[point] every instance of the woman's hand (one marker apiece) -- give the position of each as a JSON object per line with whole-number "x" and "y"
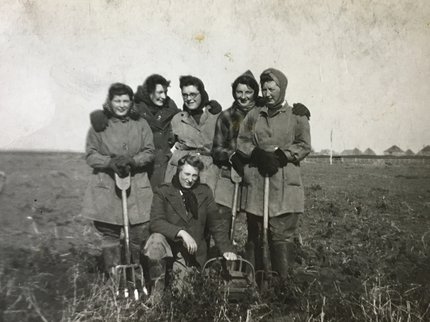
{"x": 188, "y": 241}
{"x": 230, "y": 256}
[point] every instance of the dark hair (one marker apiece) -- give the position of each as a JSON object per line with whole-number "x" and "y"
{"x": 248, "y": 81}
{"x": 118, "y": 89}
{"x": 155, "y": 79}
{"x": 191, "y": 159}
{"x": 265, "y": 78}
{"x": 189, "y": 80}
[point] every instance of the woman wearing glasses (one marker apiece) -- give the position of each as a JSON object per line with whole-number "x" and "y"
{"x": 194, "y": 129}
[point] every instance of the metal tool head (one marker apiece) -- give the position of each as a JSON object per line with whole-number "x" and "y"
{"x": 238, "y": 276}
{"x": 266, "y": 279}
{"x": 122, "y": 183}
{"x": 129, "y": 280}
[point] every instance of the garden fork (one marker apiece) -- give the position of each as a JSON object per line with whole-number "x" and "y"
{"x": 123, "y": 271}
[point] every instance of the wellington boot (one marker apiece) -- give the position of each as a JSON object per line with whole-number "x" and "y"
{"x": 282, "y": 257}
{"x": 111, "y": 257}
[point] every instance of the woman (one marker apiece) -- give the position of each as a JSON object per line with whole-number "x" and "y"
{"x": 157, "y": 109}
{"x": 124, "y": 147}
{"x": 180, "y": 212}
{"x": 275, "y": 140}
{"x": 194, "y": 129}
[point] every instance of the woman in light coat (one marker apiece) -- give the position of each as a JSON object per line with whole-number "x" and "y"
{"x": 124, "y": 147}
{"x": 275, "y": 140}
{"x": 194, "y": 129}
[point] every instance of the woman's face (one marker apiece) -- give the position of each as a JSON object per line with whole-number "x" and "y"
{"x": 271, "y": 92}
{"x": 244, "y": 95}
{"x": 121, "y": 104}
{"x": 192, "y": 97}
{"x": 158, "y": 96}
{"x": 188, "y": 176}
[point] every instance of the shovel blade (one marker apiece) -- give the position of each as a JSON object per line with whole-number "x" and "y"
{"x": 122, "y": 183}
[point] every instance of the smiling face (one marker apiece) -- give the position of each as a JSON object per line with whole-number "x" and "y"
{"x": 244, "y": 95}
{"x": 271, "y": 92}
{"x": 192, "y": 97}
{"x": 120, "y": 105}
{"x": 188, "y": 176}
{"x": 158, "y": 96}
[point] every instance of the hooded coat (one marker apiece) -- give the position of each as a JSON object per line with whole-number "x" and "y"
{"x": 159, "y": 119}
{"x": 283, "y": 130}
{"x": 102, "y": 200}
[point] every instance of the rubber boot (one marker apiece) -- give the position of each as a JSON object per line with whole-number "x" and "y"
{"x": 282, "y": 257}
{"x": 135, "y": 253}
{"x": 250, "y": 253}
{"x": 154, "y": 272}
{"x": 111, "y": 257}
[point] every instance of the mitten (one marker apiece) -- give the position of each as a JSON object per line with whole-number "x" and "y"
{"x": 282, "y": 158}
{"x": 124, "y": 161}
{"x": 237, "y": 163}
{"x": 99, "y": 120}
{"x": 113, "y": 164}
{"x": 214, "y": 107}
{"x": 119, "y": 165}
{"x": 301, "y": 110}
{"x": 266, "y": 162}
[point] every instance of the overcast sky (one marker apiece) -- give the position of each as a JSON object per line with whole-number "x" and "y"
{"x": 362, "y": 67}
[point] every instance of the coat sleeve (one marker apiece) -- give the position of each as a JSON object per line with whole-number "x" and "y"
{"x": 159, "y": 222}
{"x": 301, "y": 146}
{"x": 93, "y": 157}
{"x": 221, "y": 148}
{"x": 218, "y": 226}
{"x": 146, "y": 153}
{"x": 245, "y": 142}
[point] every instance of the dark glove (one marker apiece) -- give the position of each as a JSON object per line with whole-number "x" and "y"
{"x": 266, "y": 162}
{"x": 214, "y": 107}
{"x": 301, "y": 110}
{"x": 282, "y": 158}
{"x": 237, "y": 163}
{"x": 99, "y": 120}
{"x": 124, "y": 161}
{"x": 119, "y": 165}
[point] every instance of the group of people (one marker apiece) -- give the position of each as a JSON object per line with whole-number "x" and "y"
{"x": 181, "y": 164}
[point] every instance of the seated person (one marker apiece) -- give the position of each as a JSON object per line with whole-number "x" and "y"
{"x": 180, "y": 212}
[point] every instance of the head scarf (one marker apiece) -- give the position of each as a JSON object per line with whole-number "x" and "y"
{"x": 249, "y": 78}
{"x": 281, "y": 80}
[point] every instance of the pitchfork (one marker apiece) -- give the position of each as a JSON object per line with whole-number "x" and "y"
{"x": 121, "y": 272}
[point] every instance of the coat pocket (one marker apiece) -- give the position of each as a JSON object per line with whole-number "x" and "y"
{"x": 292, "y": 175}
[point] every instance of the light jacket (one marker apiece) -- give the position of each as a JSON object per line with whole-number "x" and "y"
{"x": 102, "y": 200}
{"x": 290, "y": 133}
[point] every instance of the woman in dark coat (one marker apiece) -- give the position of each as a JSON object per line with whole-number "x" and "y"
{"x": 157, "y": 109}
{"x": 180, "y": 212}
{"x": 124, "y": 147}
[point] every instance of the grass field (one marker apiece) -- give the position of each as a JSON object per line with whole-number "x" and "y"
{"x": 363, "y": 250}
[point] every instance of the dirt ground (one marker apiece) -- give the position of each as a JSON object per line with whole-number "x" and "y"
{"x": 363, "y": 225}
